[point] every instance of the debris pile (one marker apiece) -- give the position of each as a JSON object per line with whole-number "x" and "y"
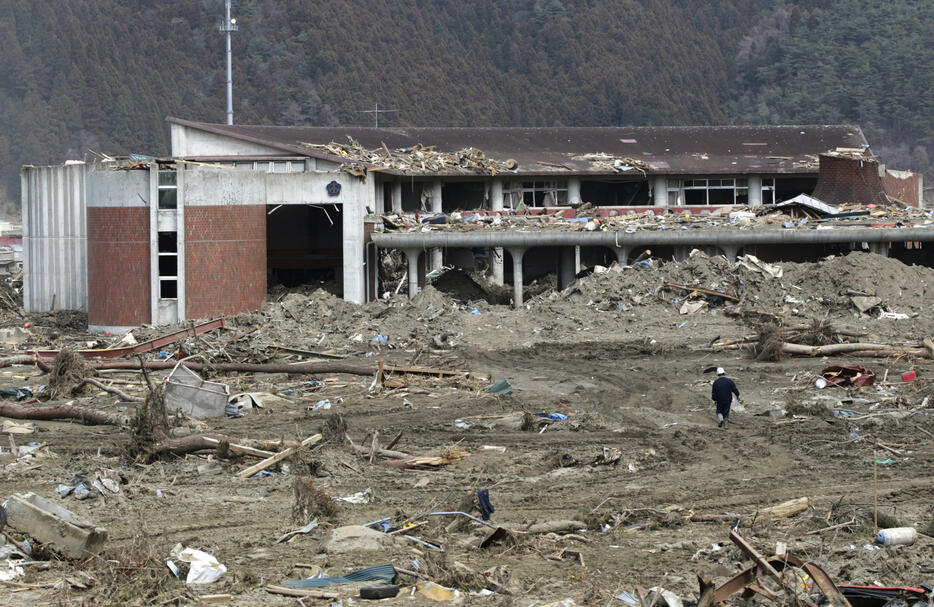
{"x": 415, "y": 160}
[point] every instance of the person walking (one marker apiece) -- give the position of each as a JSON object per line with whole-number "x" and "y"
{"x": 722, "y": 393}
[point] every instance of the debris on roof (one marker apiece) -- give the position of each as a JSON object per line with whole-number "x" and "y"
{"x": 415, "y": 160}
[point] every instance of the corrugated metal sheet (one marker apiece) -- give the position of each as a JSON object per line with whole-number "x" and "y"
{"x": 54, "y": 238}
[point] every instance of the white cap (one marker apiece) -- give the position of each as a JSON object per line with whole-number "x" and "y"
{"x": 720, "y": 371}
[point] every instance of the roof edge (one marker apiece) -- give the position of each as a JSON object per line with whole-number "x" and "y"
{"x": 218, "y": 129}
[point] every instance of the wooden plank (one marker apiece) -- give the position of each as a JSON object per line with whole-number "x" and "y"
{"x": 438, "y": 372}
{"x": 241, "y": 448}
{"x": 278, "y": 457}
{"x": 704, "y": 291}
{"x": 318, "y": 594}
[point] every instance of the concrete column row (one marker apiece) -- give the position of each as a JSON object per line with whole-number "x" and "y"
{"x": 659, "y": 193}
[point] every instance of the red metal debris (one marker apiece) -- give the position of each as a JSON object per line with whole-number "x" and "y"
{"x": 146, "y": 346}
{"x": 849, "y": 376}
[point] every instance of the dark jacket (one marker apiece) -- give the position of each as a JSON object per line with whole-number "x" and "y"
{"x": 723, "y": 390}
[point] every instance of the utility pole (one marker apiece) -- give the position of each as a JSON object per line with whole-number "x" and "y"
{"x": 229, "y": 25}
{"x": 376, "y": 112}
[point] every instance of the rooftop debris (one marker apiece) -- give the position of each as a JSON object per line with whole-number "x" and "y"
{"x": 416, "y": 160}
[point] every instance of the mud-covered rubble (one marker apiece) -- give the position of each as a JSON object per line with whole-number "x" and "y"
{"x": 602, "y": 472}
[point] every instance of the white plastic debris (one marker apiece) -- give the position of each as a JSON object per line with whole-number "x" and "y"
{"x": 203, "y": 567}
{"x": 360, "y": 497}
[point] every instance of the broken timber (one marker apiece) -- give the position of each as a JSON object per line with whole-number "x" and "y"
{"x": 278, "y": 457}
{"x": 438, "y": 372}
{"x": 709, "y": 292}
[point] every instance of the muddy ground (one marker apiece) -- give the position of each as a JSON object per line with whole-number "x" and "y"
{"x": 614, "y": 355}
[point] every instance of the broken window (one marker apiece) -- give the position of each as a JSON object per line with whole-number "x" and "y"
{"x": 272, "y": 166}
{"x": 768, "y": 190}
{"x": 168, "y": 265}
{"x": 536, "y": 194}
{"x": 716, "y": 192}
{"x": 168, "y": 189}
{"x": 674, "y": 192}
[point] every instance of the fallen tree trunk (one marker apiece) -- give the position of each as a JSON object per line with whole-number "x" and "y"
{"x": 786, "y": 509}
{"x": 242, "y": 367}
{"x": 830, "y": 348}
{"x": 365, "y": 451}
{"x": 210, "y": 442}
{"x": 22, "y": 359}
{"x": 893, "y": 352}
{"x": 713, "y": 518}
{"x": 90, "y": 417}
{"x": 111, "y": 389}
{"x": 849, "y": 349}
{"x": 556, "y": 527}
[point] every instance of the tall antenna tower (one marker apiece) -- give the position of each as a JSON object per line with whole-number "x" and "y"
{"x": 229, "y": 25}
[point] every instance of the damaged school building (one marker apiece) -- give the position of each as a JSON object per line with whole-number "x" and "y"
{"x": 236, "y": 209}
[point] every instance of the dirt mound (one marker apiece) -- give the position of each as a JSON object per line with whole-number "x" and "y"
{"x": 461, "y": 287}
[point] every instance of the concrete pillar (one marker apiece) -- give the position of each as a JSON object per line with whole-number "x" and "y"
{"x": 879, "y": 248}
{"x": 577, "y": 259}
{"x": 436, "y": 197}
{"x": 411, "y": 256}
{"x": 681, "y": 252}
{"x": 352, "y": 224}
{"x": 496, "y": 195}
{"x": 496, "y": 263}
{"x": 574, "y": 190}
{"x": 397, "y": 196}
{"x": 565, "y": 267}
{"x": 496, "y": 254}
{"x": 660, "y": 191}
{"x": 755, "y": 190}
{"x": 622, "y": 255}
{"x": 729, "y": 251}
{"x": 436, "y": 209}
{"x": 516, "y": 276}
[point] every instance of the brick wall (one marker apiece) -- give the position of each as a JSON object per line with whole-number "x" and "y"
{"x": 903, "y": 186}
{"x": 225, "y": 259}
{"x": 118, "y": 266}
{"x": 841, "y": 180}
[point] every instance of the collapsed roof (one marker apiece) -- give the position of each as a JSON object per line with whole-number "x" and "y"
{"x": 564, "y": 150}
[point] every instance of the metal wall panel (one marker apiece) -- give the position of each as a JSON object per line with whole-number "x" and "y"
{"x": 54, "y": 238}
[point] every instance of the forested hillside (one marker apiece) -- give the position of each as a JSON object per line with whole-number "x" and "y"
{"x": 103, "y": 74}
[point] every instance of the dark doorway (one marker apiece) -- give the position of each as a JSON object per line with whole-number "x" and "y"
{"x": 304, "y": 245}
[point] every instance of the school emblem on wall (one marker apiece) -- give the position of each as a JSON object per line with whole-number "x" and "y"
{"x": 334, "y": 188}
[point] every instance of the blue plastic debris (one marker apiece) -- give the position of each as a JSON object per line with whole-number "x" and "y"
{"x": 558, "y": 417}
{"x": 321, "y": 404}
{"x": 501, "y": 387}
{"x": 370, "y": 574}
{"x": 382, "y": 340}
{"x": 475, "y": 312}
